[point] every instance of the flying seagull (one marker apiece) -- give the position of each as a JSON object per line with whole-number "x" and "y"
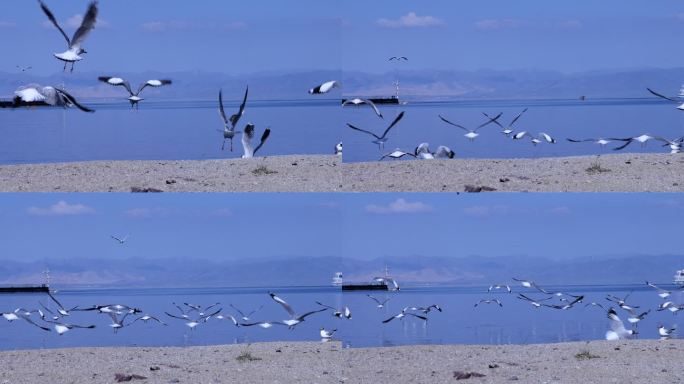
{"x": 380, "y": 140}
{"x": 146, "y": 318}
{"x": 680, "y": 107}
{"x": 403, "y": 314}
{"x": 19, "y": 314}
{"x": 121, "y": 240}
{"x": 535, "y": 302}
{"x": 661, "y": 292}
{"x": 600, "y": 141}
{"x": 398, "y": 58}
{"x": 397, "y": 154}
{"x": 247, "y": 136}
{"x": 34, "y": 93}
{"x": 230, "y": 123}
{"x": 23, "y": 69}
{"x": 489, "y": 301}
{"x": 471, "y": 134}
{"x": 641, "y": 139}
{"x": 294, "y": 317}
{"x": 194, "y": 322}
{"x": 358, "y": 102}
{"x": 324, "y": 88}
{"x": 344, "y": 312}
{"x": 509, "y": 129}
{"x": 60, "y": 308}
{"x": 74, "y": 51}
{"x": 62, "y": 328}
{"x": 134, "y": 97}
{"x": 499, "y": 286}
{"x": 245, "y": 317}
{"x": 424, "y": 310}
{"x": 617, "y": 328}
{"x": 535, "y": 139}
{"x": 381, "y": 304}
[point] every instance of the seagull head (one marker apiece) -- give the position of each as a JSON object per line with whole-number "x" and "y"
{"x": 82, "y": 51}
{"x": 311, "y": 91}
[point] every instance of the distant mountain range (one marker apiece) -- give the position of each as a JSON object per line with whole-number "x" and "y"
{"x": 423, "y": 84}
{"x": 416, "y": 270}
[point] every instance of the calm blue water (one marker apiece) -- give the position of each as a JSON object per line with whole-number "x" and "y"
{"x": 171, "y": 130}
{"x": 517, "y": 322}
{"x": 561, "y": 119}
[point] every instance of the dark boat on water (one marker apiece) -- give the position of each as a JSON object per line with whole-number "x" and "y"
{"x": 25, "y": 289}
{"x": 365, "y": 287}
{"x": 392, "y": 100}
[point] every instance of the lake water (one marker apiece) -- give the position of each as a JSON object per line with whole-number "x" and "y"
{"x": 621, "y": 118}
{"x": 460, "y": 322}
{"x": 171, "y": 130}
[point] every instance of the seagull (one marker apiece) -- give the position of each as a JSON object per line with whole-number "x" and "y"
{"x": 229, "y": 131}
{"x": 338, "y": 149}
{"x": 345, "y": 312}
{"x": 617, "y": 331}
{"x": 62, "y": 328}
{"x": 18, "y": 314}
{"x": 471, "y": 133}
{"x": 398, "y": 58}
{"x": 134, "y": 97}
{"x": 489, "y": 301}
{"x": 118, "y": 309}
{"x": 263, "y": 324}
{"x": 397, "y": 154}
{"x": 60, "y": 308}
{"x": 600, "y": 141}
{"x": 527, "y": 283}
{"x": 120, "y": 240}
{"x": 242, "y": 314}
{"x": 535, "y": 303}
{"x": 247, "y": 136}
{"x": 665, "y": 305}
{"x": 424, "y": 310}
{"x": 116, "y": 322}
{"x": 198, "y": 308}
{"x": 621, "y": 302}
{"x": 73, "y": 54}
{"x": 23, "y": 69}
{"x": 506, "y": 130}
{"x": 535, "y": 139}
{"x": 380, "y": 140}
{"x": 641, "y": 139}
{"x": 146, "y": 318}
{"x": 665, "y": 332}
{"x": 358, "y": 102}
{"x": 595, "y": 304}
{"x": 324, "y": 88}
{"x": 381, "y": 304}
{"x": 499, "y": 286}
{"x": 34, "y": 93}
{"x": 633, "y": 318}
{"x": 661, "y": 292}
{"x": 422, "y": 151}
{"x": 327, "y": 334}
{"x": 294, "y": 318}
{"x": 192, "y": 323}
{"x": 680, "y": 107}
{"x": 221, "y": 317}
{"x": 401, "y": 315}
{"x": 675, "y": 145}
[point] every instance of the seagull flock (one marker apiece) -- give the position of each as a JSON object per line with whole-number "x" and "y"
{"x": 121, "y": 316}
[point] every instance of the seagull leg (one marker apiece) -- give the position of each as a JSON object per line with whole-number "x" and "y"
{"x": 223, "y": 145}
{"x": 72, "y": 67}
{"x": 231, "y": 144}
{"x": 64, "y": 69}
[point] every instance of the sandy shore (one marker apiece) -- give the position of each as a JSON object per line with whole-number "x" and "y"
{"x": 325, "y": 173}
{"x": 271, "y": 174}
{"x": 645, "y": 361}
{"x": 617, "y": 173}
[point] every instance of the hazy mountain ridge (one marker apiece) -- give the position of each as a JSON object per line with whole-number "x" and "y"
{"x": 469, "y": 270}
{"x": 432, "y": 84}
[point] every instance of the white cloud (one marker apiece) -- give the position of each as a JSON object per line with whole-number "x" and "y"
{"x": 173, "y": 25}
{"x": 399, "y": 206}
{"x": 61, "y": 208}
{"x": 410, "y": 20}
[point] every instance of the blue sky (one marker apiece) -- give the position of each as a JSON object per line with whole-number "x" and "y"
{"x": 252, "y": 225}
{"x": 267, "y": 35}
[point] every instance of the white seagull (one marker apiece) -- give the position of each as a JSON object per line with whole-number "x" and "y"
{"x": 35, "y": 93}
{"x": 380, "y": 140}
{"x": 344, "y": 312}
{"x": 229, "y": 124}
{"x": 535, "y": 139}
{"x": 327, "y": 334}
{"x": 146, "y": 318}
{"x": 641, "y": 139}
{"x": 74, "y": 51}
{"x": 680, "y": 107}
{"x": 600, "y": 141}
{"x": 121, "y": 240}
{"x": 338, "y": 149}
{"x": 245, "y": 317}
{"x": 324, "y": 88}
{"x": 381, "y": 304}
{"x": 617, "y": 328}
{"x": 294, "y": 318}
{"x": 397, "y": 154}
{"x": 60, "y": 308}
{"x": 499, "y": 286}
{"x": 422, "y": 151}
{"x": 194, "y": 322}
{"x": 509, "y": 129}
{"x": 402, "y": 314}
{"x": 633, "y": 318}
{"x": 471, "y": 133}
{"x": 247, "y": 135}
{"x": 661, "y": 292}
{"x": 20, "y": 314}
{"x": 666, "y": 333}
{"x": 134, "y": 97}
{"x": 535, "y": 302}
{"x": 358, "y": 102}
{"x": 489, "y": 301}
